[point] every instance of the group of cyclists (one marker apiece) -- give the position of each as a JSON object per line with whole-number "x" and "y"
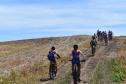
{"x": 104, "y": 36}
{"x": 76, "y": 53}
{"x": 74, "y": 57}
{"x": 101, "y": 36}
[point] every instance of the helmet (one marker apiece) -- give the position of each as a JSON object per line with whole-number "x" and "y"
{"x": 75, "y": 47}
{"x": 93, "y": 37}
{"x": 53, "y": 48}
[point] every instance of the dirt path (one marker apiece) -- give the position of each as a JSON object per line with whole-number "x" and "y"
{"x": 64, "y": 69}
{"x": 89, "y": 66}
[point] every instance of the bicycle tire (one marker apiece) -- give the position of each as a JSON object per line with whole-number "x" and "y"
{"x": 75, "y": 74}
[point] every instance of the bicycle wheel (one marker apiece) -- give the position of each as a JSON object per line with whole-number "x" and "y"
{"x": 50, "y": 71}
{"x": 75, "y": 74}
{"x": 54, "y": 70}
{"x": 93, "y": 51}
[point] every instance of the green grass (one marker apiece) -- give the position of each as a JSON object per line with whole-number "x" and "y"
{"x": 101, "y": 74}
{"x": 64, "y": 80}
{"x": 118, "y": 70}
{"x": 109, "y": 71}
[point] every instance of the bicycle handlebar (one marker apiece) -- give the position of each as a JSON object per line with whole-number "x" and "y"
{"x": 80, "y": 60}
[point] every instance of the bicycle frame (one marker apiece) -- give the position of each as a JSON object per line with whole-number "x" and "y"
{"x": 75, "y": 73}
{"x": 52, "y": 70}
{"x": 93, "y": 50}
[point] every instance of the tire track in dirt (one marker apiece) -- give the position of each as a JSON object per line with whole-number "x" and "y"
{"x": 90, "y": 65}
{"x": 64, "y": 69}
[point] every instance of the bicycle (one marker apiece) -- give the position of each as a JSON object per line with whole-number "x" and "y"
{"x": 106, "y": 41}
{"x": 76, "y": 72}
{"x": 52, "y": 70}
{"x": 93, "y": 50}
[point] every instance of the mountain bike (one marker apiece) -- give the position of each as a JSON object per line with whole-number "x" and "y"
{"x": 76, "y": 72}
{"x": 93, "y": 50}
{"x": 53, "y": 70}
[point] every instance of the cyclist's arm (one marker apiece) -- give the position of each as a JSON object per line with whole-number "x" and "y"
{"x": 83, "y": 59}
{"x": 81, "y": 53}
{"x": 58, "y": 55}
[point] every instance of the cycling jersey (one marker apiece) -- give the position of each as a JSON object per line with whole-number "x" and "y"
{"x": 76, "y": 56}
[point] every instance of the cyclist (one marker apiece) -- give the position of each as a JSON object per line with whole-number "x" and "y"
{"x": 106, "y": 38}
{"x": 98, "y": 34}
{"x": 110, "y": 35}
{"x": 95, "y": 36}
{"x": 75, "y": 56}
{"x": 52, "y": 55}
{"x": 93, "y": 44}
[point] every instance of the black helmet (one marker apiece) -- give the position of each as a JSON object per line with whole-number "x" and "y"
{"x": 93, "y": 37}
{"x": 75, "y": 47}
{"x": 53, "y": 48}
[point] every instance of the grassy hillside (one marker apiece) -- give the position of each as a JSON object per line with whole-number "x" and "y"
{"x": 25, "y": 61}
{"x": 111, "y": 69}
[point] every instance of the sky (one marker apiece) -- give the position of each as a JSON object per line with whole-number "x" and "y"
{"x": 26, "y": 19}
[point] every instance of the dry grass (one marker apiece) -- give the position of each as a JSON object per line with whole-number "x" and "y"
{"x": 26, "y": 60}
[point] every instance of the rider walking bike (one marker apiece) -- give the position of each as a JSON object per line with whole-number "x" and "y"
{"x": 52, "y": 55}
{"x": 75, "y": 56}
{"x": 93, "y": 44}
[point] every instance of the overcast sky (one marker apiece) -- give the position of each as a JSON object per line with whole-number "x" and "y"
{"x": 25, "y": 19}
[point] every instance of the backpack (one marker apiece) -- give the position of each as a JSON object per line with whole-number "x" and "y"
{"x": 51, "y": 55}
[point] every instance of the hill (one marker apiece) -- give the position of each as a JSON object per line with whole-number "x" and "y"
{"x": 25, "y": 61}
{"x": 26, "y": 58}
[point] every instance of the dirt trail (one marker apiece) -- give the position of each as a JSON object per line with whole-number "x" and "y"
{"x": 64, "y": 69}
{"x": 89, "y": 66}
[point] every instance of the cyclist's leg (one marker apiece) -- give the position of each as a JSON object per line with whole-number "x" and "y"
{"x": 50, "y": 66}
{"x": 50, "y": 69}
{"x": 75, "y": 73}
{"x": 72, "y": 68}
{"x": 92, "y": 50}
{"x": 54, "y": 67}
{"x": 79, "y": 71}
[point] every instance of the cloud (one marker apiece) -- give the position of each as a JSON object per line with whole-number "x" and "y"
{"x": 74, "y": 17}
